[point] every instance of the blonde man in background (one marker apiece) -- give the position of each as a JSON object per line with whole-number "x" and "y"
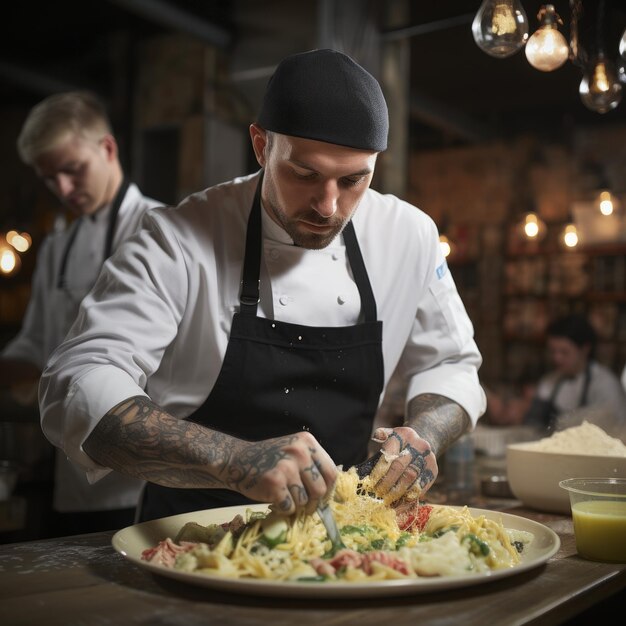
{"x": 68, "y": 140}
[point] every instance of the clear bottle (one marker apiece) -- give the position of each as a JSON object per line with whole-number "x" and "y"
{"x": 459, "y": 466}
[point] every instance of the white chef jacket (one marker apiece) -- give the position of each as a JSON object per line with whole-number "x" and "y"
{"x": 157, "y": 322}
{"x": 48, "y": 317}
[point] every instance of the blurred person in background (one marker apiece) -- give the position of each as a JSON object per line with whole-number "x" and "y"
{"x": 578, "y": 387}
{"x": 67, "y": 139}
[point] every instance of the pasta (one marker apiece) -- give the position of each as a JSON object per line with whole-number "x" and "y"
{"x": 381, "y": 543}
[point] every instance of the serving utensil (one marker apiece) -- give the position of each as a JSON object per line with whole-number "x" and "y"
{"x": 328, "y": 519}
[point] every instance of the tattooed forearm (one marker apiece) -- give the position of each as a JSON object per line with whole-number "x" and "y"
{"x": 438, "y": 420}
{"x": 139, "y": 438}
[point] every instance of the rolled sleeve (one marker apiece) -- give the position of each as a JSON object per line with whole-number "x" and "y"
{"x": 443, "y": 355}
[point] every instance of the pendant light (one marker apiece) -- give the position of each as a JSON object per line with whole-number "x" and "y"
{"x": 607, "y": 203}
{"x": 600, "y": 89}
{"x": 446, "y": 245}
{"x": 547, "y": 48}
{"x": 621, "y": 69}
{"x": 569, "y": 237}
{"x": 500, "y": 27}
{"x": 533, "y": 227}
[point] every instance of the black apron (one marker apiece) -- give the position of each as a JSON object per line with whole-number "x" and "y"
{"x": 544, "y": 413}
{"x": 278, "y": 378}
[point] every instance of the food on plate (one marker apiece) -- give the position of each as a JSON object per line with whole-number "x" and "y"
{"x": 584, "y": 439}
{"x": 411, "y": 540}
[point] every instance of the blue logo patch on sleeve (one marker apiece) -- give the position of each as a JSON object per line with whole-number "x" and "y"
{"x": 441, "y": 270}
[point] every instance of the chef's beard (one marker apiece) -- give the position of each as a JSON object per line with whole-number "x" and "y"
{"x": 297, "y": 231}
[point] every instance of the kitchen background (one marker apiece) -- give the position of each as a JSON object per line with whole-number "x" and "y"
{"x": 477, "y": 141}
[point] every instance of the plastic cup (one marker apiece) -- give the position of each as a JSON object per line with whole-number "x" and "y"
{"x": 599, "y": 514}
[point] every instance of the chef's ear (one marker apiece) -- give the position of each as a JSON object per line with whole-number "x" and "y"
{"x": 109, "y": 145}
{"x": 259, "y": 142}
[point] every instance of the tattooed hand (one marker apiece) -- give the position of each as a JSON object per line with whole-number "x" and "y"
{"x": 292, "y": 472}
{"x": 407, "y": 464}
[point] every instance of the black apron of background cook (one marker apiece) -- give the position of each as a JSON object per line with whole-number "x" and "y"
{"x": 279, "y": 378}
{"x": 544, "y": 413}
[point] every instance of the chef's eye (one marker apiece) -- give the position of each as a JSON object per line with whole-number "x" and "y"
{"x": 353, "y": 181}
{"x": 305, "y": 175}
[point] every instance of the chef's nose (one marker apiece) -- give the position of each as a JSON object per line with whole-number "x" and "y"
{"x": 325, "y": 202}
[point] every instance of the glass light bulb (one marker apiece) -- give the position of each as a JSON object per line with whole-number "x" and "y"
{"x": 531, "y": 229}
{"x": 446, "y": 246}
{"x": 600, "y": 89}
{"x": 607, "y": 203}
{"x": 547, "y": 48}
{"x": 8, "y": 261}
{"x": 570, "y": 236}
{"x": 621, "y": 71}
{"x": 500, "y": 27}
{"x": 621, "y": 66}
{"x": 533, "y": 226}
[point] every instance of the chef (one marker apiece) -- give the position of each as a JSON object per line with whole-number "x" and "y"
{"x": 68, "y": 140}
{"x": 236, "y": 349}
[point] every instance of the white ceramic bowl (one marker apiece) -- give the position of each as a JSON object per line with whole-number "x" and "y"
{"x": 534, "y": 475}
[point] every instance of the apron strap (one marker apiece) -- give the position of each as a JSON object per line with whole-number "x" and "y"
{"x": 115, "y": 209}
{"x": 249, "y": 296}
{"x": 583, "y": 397}
{"x": 368, "y": 302}
{"x": 108, "y": 242}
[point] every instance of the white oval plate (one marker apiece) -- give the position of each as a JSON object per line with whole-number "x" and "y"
{"x": 130, "y": 542}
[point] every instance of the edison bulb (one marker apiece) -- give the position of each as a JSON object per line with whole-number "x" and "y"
{"x": 570, "y": 236}
{"x": 500, "y": 27}
{"x": 9, "y": 261}
{"x": 607, "y": 203}
{"x": 547, "y": 48}
{"x": 621, "y": 69}
{"x": 446, "y": 245}
{"x": 533, "y": 227}
{"x": 600, "y": 89}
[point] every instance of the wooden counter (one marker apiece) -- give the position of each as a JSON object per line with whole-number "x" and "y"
{"x": 81, "y": 580}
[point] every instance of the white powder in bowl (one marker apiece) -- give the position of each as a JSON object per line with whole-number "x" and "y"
{"x": 584, "y": 439}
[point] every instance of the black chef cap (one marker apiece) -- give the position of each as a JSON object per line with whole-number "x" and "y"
{"x": 325, "y": 95}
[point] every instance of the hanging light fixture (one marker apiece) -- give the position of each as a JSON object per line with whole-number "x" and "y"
{"x": 533, "y": 227}
{"x": 607, "y": 203}
{"x": 500, "y": 27}
{"x": 547, "y": 48}
{"x": 446, "y": 245}
{"x": 621, "y": 66}
{"x": 10, "y": 261}
{"x": 600, "y": 89}
{"x": 604, "y": 200}
{"x": 569, "y": 238}
{"x": 20, "y": 241}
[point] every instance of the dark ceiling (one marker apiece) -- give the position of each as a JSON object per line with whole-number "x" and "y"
{"x": 459, "y": 93}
